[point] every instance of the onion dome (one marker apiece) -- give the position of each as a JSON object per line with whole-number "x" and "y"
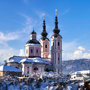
{"x": 33, "y": 32}
{"x": 56, "y": 30}
{"x": 44, "y": 33}
{"x": 33, "y": 38}
{"x": 33, "y": 42}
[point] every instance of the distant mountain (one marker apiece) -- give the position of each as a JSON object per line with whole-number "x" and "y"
{"x": 71, "y": 66}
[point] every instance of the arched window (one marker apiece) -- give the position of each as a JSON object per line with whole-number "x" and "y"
{"x": 27, "y": 72}
{"x": 45, "y": 46}
{"x": 37, "y": 51}
{"x": 35, "y": 68}
{"x": 31, "y": 51}
{"x": 58, "y": 44}
{"x": 58, "y": 58}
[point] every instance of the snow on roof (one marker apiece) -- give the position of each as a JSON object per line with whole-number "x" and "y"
{"x": 32, "y": 44}
{"x": 16, "y": 59}
{"x": 82, "y": 72}
{"x": 35, "y": 60}
{"x": 78, "y": 72}
{"x": 9, "y": 68}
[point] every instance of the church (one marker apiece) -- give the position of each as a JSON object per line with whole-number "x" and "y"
{"x": 36, "y": 59}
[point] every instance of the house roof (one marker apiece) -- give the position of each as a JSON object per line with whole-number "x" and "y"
{"x": 9, "y": 68}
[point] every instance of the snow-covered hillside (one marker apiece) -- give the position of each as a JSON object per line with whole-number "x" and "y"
{"x": 72, "y": 66}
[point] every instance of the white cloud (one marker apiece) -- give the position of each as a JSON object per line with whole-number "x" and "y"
{"x": 22, "y": 52}
{"x": 6, "y": 52}
{"x": 29, "y": 24}
{"x": 81, "y": 48}
{"x": 40, "y": 14}
{"x": 86, "y": 55}
{"x": 8, "y": 36}
{"x": 66, "y": 11}
{"x": 74, "y": 52}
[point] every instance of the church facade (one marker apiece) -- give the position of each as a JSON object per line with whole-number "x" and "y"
{"x": 36, "y": 59}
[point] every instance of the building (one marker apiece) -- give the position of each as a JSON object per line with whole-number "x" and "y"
{"x": 37, "y": 53}
{"x": 80, "y": 75}
{"x": 9, "y": 70}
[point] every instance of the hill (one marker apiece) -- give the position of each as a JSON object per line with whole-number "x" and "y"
{"x": 71, "y": 66}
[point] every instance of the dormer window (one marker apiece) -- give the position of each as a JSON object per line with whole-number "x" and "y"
{"x": 37, "y": 51}
{"x": 31, "y": 50}
{"x": 45, "y": 46}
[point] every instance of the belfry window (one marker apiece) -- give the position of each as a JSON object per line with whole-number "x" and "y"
{"x": 45, "y": 46}
{"x": 58, "y": 44}
{"x": 58, "y": 58}
{"x": 31, "y": 51}
{"x": 37, "y": 51}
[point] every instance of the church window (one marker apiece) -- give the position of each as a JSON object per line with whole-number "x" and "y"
{"x": 31, "y": 51}
{"x": 58, "y": 58}
{"x": 45, "y": 46}
{"x": 37, "y": 51}
{"x": 33, "y": 37}
{"x": 58, "y": 44}
{"x": 27, "y": 72}
{"x": 35, "y": 68}
{"x": 16, "y": 67}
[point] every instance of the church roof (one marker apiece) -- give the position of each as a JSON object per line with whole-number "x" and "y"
{"x": 43, "y": 38}
{"x": 56, "y": 30}
{"x": 34, "y": 60}
{"x": 33, "y": 32}
{"x": 33, "y": 41}
{"x": 9, "y": 68}
{"x": 44, "y": 33}
{"x": 56, "y": 35}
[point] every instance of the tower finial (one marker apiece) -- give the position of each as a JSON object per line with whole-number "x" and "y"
{"x": 43, "y": 16}
{"x": 56, "y": 12}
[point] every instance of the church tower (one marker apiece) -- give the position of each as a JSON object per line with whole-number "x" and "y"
{"x": 33, "y": 47}
{"x": 44, "y": 42}
{"x": 56, "y": 48}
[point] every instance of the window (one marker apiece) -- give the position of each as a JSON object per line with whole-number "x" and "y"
{"x": 27, "y": 72}
{"x": 45, "y": 46}
{"x": 35, "y": 68}
{"x": 31, "y": 51}
{"x": 58, "y": 44}
{"x": 37, "y": 51}
{"x": 33, "y": 37}
{"x": 16, "y": 67}
{"x": 58, "y": 58}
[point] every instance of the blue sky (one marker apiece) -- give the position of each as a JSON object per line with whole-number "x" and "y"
{"x": 17, "y": 18}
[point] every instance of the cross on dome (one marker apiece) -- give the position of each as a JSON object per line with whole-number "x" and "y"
{"x": 43, "y": 16}
{"x": 56, "y": 12}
